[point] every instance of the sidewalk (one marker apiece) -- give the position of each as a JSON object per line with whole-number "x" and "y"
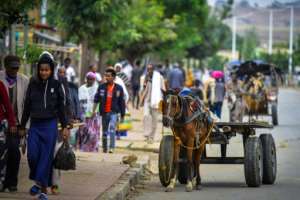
{"x": 135, "y": 139}
{"x": 95, "y": 174}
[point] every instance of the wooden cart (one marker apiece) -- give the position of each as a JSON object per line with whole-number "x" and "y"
{"x": 260, "y": 164}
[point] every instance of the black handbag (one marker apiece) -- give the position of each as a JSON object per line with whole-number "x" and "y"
{"x": 65, "y": 158}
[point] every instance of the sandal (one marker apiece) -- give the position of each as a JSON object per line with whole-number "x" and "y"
{"x": 34, "y": 190}
{"x": 55, "y": 189}
{"x": 43, "y": 196}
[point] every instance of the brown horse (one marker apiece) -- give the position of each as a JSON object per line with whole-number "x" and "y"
{"x": 191, "y": 125}
{"x": 255, "y": 96}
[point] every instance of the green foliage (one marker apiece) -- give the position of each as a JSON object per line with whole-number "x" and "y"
{"x": 143, "y": 27}
{"x": 32, "y": 54}
{"x": 250, "y": 42}
{"x": 216, "y": 62}
{"x": 190, "y": 17}
{"x": 296, "y": 54}
{"x": 14, "y": 11}
{"x": 169, "y": 28}
{"x": 214, "y": 35}
{"x": 279, "y": 58}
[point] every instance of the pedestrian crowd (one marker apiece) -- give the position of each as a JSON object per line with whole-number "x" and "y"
{"x": 49, "y": 109}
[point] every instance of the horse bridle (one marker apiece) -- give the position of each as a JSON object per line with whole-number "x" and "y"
{"x": 176, "y": 115}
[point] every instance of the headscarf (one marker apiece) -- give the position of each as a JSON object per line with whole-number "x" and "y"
{"x": 46, "y": 58}
{"x": 91, "y": 75}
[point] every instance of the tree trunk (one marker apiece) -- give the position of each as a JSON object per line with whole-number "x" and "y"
{"x": 102, "y": 61}
{"x": 87, "y": 56}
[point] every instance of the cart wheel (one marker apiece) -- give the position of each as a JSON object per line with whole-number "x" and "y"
{"x": 269, "y": 159}
{"x": 182, "y": 166}
{"x": 165, "y": 159}
{"x": 274, "y": 114}
{"x": 253, "y": 164}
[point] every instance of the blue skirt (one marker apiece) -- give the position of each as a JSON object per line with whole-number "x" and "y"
{"x": 41, "y": 142}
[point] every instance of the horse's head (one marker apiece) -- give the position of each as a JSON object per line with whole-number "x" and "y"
{"x": 171, "y": 108}
{"x": 257, "y": 85}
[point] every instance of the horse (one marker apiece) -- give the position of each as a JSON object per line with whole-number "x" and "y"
{"x": 191, "y": 126}
{"x": 255, "y": 96}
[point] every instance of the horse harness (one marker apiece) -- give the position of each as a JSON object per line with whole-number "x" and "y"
{"x": 198, "y": 113}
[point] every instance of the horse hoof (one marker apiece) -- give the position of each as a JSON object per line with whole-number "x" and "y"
{"x": 198, "y": 187}
{"x": 169, "y": 189}
{"x": 189, "y": 187}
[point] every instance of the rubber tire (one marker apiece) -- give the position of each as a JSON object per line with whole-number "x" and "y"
{"x": 274, "y": 114}
{"x": 182, "y": 166}
{"x": 165, "y": 159}
{"x": 253, "y": 162}
{"x": 269, "y": 159}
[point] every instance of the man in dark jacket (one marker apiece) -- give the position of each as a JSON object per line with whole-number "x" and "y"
{"x": 135, "y": 84}
{"x": 112, "y": 102}
{"x": 16, "y": 86}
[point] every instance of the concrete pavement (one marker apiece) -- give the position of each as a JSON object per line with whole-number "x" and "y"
{"x": 96, "y": 174}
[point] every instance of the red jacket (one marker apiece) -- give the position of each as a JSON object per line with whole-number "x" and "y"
{"x": 6, "y": 110}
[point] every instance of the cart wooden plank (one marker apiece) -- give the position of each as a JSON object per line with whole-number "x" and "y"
{"x": 244, "y": 124}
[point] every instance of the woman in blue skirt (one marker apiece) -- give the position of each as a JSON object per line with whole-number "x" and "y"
{"x": 44, "y": 105}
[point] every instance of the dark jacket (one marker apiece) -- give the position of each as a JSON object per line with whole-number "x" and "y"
{"x": 72, "y": 103}
{"x": 45, "y": 100}
{"x": 74, "y": 100}
{"x": 118, "y": 101}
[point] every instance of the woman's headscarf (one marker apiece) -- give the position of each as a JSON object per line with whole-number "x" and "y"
{"x": 46, "y": 58}
{"x": 91, "y": 75}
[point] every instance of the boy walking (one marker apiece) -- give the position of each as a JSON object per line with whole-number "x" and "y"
{"x": 110, "y": 95}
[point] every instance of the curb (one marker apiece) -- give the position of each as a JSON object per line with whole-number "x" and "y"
{"x": 125, "y": 183}
{"x": 145, "y": 149}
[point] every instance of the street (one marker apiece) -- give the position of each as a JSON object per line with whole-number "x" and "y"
{"x": 227, "y": 181}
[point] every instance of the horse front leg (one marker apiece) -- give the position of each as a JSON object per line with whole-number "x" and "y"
{"x": 174, "y": 172}
{"x": 197, "y": 176}
{"x": 189, "y": 185}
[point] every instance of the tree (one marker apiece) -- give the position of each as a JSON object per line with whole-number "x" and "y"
{"x": 250, "y": 42}
{"x": 14, "y": 12}
{"x": 216, "y": 62}
{"x": 296, "y": 54}
{"x": 143, "y": 26}
{"x": 132, "y": 26}
{"x": 89, "y": 22}
{"x": 190, "y": 17}
{"x": 215, "y": 35}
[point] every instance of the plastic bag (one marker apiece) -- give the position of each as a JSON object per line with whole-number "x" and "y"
{"x": 126, "y": 125}
{"x": 65, "y": 158}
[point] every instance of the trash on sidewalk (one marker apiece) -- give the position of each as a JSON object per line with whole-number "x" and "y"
{"x": 129, "y": 160}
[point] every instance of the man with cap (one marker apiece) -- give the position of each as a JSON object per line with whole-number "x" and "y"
{"x": 16, "y": 85}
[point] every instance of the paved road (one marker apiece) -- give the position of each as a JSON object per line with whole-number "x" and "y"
{"x": 227, "y": 181}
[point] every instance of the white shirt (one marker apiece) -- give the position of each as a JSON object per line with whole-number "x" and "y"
{"x": 119, "y": 81}
{"x": 127, "y": 70}
{"x": 70, "y": 72}
{"x": 98, "y": 77}
{"x": 87, "y": 94}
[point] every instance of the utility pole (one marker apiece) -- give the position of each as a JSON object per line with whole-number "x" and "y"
{"x": 12, "y": 39}
{"x": 26, "y": 70}
{"x": 291, "y": 42}
{"x": 233, "y": 38}
{"x": 43, "y": 12}
{"x": 270, "y": 33}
